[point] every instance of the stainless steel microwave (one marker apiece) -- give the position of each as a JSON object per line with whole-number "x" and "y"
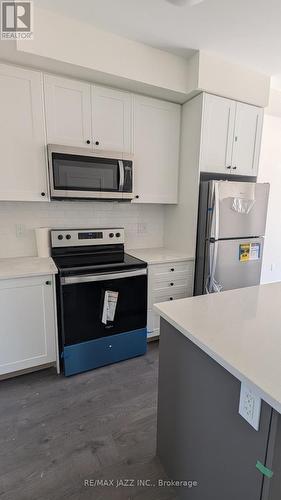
{"x": 78, "y": 173}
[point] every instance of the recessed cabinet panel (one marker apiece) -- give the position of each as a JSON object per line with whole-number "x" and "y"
{"x": 111, "y": 119}
{"x": 156, "y": 150}
{"x": 247, "y": 139}
{"x": 217, "y": 134}
{"x": 27, "y": 335}
{"x": 68, "y": 111}
{"x": 23, "y": 169}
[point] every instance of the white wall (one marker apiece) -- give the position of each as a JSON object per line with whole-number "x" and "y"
{"x": 270, "y": 171}
{"x": 143, "y": 223}
{"x": 224, "y": 78}
{"x": 70, "y": 41}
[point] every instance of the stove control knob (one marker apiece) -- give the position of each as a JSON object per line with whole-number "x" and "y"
{"x": 68, "y": 236}
{"x": 60, "y": 237}
{"x": 117, "y": 235}
{"x": 111, "y": 235}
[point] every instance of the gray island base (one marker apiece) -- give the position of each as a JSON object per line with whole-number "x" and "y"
{"x": 201, "y": 437}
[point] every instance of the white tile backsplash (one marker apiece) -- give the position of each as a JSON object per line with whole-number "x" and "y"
{"x": 144, "y": 224}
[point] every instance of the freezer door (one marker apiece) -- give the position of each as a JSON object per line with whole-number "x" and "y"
{"x": 235, "y": 263}
{"x": 239, "y": 209}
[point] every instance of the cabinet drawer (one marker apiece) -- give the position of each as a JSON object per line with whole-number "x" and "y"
{"x": 164, "y": 294}
{"x": 169, "y": 280}
{"x": 170, "y": 268}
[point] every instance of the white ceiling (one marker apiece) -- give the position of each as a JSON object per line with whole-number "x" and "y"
{"x": 243, "y": 31}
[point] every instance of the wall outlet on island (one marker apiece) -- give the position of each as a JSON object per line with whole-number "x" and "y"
{"x": 250, "y": 406}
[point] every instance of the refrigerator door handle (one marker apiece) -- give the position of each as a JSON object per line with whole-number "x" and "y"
{"x": 214, "y": 223}
{"x": 212, "y": 285}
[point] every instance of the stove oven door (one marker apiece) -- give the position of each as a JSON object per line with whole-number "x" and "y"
{"x": 92, "y": 316}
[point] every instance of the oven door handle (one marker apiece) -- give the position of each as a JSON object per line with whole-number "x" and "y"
{"x": 121, "y": 175}
{"x": 86, "y": 278}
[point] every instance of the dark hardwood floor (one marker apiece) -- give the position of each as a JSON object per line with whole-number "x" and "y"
{"x": 57, "y": 432}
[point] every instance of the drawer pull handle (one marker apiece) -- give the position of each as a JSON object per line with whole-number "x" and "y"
{"x": 110, "y": 346}
{"x": 172, "y": 284}
{"x": 172, "y": 269}
{"x": 171, "y": 298}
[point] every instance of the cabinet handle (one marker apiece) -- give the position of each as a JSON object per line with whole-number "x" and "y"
{"x": 137, "y": 196}
{"x": 43, "y": 194}
{"x": 234, "y": 168}
{"x": 171, "y": 298}
{"x": 97, "y": 143}
{"x": 172, "y": 284}
{"x": 88, "y": 142}
{"x": 172, "y": 269}
{"x": 48, "y": 282}
{"x": 229, "y": 167}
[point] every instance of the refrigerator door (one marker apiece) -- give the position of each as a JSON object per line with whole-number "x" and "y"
{"x": 239, "y": 209}
{"x": 235, "y": 264}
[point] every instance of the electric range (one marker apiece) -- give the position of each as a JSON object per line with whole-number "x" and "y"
{"x": 101, "y": 297}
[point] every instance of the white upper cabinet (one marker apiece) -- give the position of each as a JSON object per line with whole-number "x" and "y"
{"x": 217, "y": 134}
{"x": 23, "y": 170}
{"x": 231, "y": 136}
{"x": 68, "y": 111}
{"x": 84, "y": 115}
{"x": 111, "y": 119}
{"x": 156, "y": 150}
{"x": 247, "y": 139}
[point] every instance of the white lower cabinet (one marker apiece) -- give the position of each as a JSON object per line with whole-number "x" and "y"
{"x": 169, "y": 281}
{"x": 28, "y": 323}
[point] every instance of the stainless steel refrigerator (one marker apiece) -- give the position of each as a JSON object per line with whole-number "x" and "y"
{"x": 230, "y": 235}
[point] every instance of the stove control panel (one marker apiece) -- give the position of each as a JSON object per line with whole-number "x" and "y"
{"x": 83, "y": 237}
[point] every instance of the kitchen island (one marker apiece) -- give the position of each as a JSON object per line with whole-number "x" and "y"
{"x": 209, "y": 346}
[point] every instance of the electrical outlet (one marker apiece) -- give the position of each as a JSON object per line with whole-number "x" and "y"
{"x": 142, "y": 229}
{"x": 250, "y": 406}
{"x": 20, "y": 230}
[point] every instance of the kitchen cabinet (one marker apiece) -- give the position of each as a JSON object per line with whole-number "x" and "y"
{"x": 231, "y": 136}
{"x": 217, "y": 134}
{"x": 23, "y": 168}
{"x": 111, "y": 119}
{"x": 168, "y": 281}
{"x": 156, "y": 150}
{"x": 68, "y": 112}
{"x": 90, "y": 116}
{"x": 28, "y": 332}
{"x": 247, "y": 139}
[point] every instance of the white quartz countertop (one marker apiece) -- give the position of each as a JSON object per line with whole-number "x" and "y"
{"x": 23, "y": 267}
{"x": 158, "y": 255}
{"x": 240, "y": 329}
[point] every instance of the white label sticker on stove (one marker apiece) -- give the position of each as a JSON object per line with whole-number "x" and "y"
{"x": 109, "y": 306}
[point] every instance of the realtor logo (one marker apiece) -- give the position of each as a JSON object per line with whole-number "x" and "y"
{"x": 16, "y": 20}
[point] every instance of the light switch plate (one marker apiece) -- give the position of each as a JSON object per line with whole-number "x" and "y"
{"x": 250, "y": 406}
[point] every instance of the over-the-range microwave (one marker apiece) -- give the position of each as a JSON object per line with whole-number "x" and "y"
{"x": 78, "y": 173}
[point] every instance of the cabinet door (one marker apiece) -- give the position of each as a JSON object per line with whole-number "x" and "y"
{"x": 23, "y": 167}
{"x": 217, "y": 134}
{"x": 68, "y": 111}
{"x": 111, "y": 119}
{"x": 27, "y": 334}
{"x": 156, "y": 150}
{"x": 247, "y": 139}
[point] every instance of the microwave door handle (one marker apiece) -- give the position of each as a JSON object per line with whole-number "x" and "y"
{"x": 121, "y": 175}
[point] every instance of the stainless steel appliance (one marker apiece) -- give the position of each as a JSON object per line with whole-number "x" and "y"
{"x": 230, "y": 235}
{"x": 101, "y": 296}
{"x": 79, "y": 173}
